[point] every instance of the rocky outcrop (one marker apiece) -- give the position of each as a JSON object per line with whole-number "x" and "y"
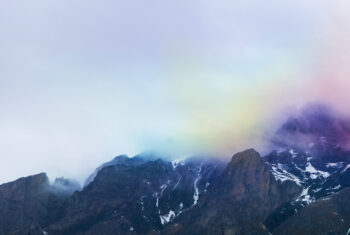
{"x": 328, "y": 216}
{"x": 238, "y": 201}
{"x": 135, "y": 198}
{"x": 32, "y": 229}
{"x": 28, "y": 204}
{"x": 22, "y": 202}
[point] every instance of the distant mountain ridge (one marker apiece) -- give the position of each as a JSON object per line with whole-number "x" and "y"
{"x": 301, "y": 187}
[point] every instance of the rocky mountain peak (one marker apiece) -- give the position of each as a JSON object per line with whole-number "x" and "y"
{"x": 24, "y": 186}
{"x": 246, "y": 173}
{"x": 247, "y": 158}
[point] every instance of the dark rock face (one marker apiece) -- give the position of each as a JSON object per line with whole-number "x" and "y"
{"x": 330, "y": 216}
{"x": 119, "y": 160}
{"x": 196, "y": 195}
{"x": 314, "y": 153}
{"x": 239, "y": 200}
{"x": 136, "y": 198}
{"x": 32, "y": 229}
{"x": 19, "y": 199}
{"x": 26, "y": 201}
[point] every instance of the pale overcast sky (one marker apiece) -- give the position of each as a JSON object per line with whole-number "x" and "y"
{"x": 83, "y": 81}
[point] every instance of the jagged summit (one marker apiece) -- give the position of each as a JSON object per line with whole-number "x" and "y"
{"x": 312, "y": 151}
{"x": 118, "y": 160}
{"x": 27, "y": 201}
{"x": 153, "y": 195}
{"x": 247, "y": 157}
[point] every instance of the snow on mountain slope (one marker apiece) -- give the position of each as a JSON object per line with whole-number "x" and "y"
{"x": 318, "y": 178}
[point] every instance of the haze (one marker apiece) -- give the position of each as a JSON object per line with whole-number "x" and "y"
{"x": 84, "y": 81}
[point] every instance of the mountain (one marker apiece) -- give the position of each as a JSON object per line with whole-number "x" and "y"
{"x": 312, "y": 152}
{"x": 239, "y": 199}
{"x": 153, "y": 196}
{"x": 247, "y": 195}
{"x": 328, "y": 216}
{"x": 119, "y": 160}
{"x": 318, "y": 130}
{"x": 301, "y": 187}
{"x": 319, "y": 179}
{"x": 30, "y": 200}
{"x": 137, "y": 197}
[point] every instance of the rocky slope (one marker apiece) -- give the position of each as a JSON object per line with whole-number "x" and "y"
{"x": 156, "y": 196}
{"x": 30, "y": 200}
{"x": 312, "y": 152}
{"x": 328, "y": 216}
{"x": 137, "y": 198}
{"x": 238, "y": 201}
{"x": 247, "y": 195}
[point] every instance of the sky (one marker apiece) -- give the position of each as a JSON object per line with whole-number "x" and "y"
{"x": 84, "y": 81}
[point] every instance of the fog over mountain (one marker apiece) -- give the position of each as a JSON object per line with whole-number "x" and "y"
{"x": 300, "y": 187}
{"x": 83, "y": 81}
{"x": 174, "y": 117}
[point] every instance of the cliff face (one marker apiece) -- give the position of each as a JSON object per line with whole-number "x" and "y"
{"x": 28, "y": 202}
{"x": 136, "y": 198}
{"x": 23, "y": 202}
{"x": 329, "y": 216}
{"x": 238, "y": 201}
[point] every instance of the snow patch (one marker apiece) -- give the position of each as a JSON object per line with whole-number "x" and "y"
{"x": 195, "y": 185}
{"x": 164, "y": 219}
{"x": 141, "y": 202}
{"x": 181, "y": 206}
{"x": 314, "y": 174}
{"x": 206, "y": 186}
{"x": 159, "y": 195}
{"x": 334, "y": 165}
{"x": 162, "y": 188}
{"x": 281, "y": 174}
{"x": 177, "y": 183}
{"x": 196, "y": 192}
{"x": 178, "y": 162}
{"x": 157, "y": 200}
{"x": 304, "y": 196}
{"x": 317, "y": 190}
{"x": 294, "y": 154}
{"x": 346, "y": 168}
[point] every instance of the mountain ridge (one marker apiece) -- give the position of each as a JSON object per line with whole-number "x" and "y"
{"x": 161, "y": 197}
{"x": 300, "y": 187}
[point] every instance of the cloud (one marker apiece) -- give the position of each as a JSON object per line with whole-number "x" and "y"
{"x": 83, "y": 81}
